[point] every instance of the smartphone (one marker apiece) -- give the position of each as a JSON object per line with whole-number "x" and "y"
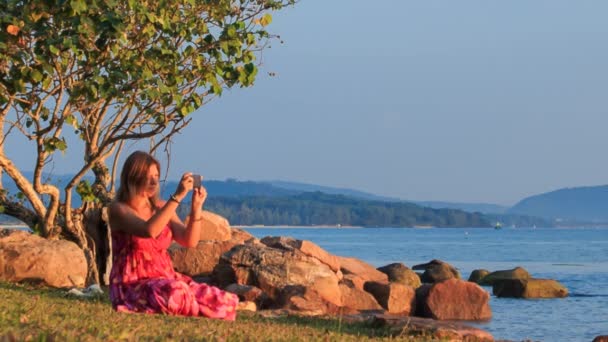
{"x": 197, "y": 181}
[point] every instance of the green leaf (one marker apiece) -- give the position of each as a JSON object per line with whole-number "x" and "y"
{"x": 54, "y": 50}
{"x": 266, "y": 19}
{"x": 36, "y": 76}
{"x": 78, "y": 6}
{"x": 85, "y": 191}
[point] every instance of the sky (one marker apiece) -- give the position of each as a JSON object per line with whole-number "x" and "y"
{"x": 465, "y": 101}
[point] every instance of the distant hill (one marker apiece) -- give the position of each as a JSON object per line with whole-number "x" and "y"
{"x": 485, "y": 208}
{"x": 303, "y": 187}
{"x": 317, "y": 208}
{"x": 588, "y": 204}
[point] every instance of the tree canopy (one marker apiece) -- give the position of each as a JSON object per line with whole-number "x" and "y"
{"x": 107, "y": 72}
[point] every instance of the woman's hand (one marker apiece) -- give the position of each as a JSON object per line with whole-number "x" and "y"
{"x": 199, "y": 195}
{"x": 184, "y": 186}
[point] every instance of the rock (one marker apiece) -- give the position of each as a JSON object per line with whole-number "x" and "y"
{"x": 529, "y": 288}
{"x": 399, "y": 273}
{"x": 240, "y": 236}
{"x": 438, "y": 330}
{"x": 199, "y": 260}
{"x": 28, "y": 257}
{"x": 248, "y": 293}
{"x": 362, "y": 269}
{"x": 305, "y": 247}
{"x": 395, "y": 298}
{"x": 247, "y": 306}
{"x": 437, "y": 271}
{"x": 516, "y": 273}
{"x": 306, "y": 301}
{"x": 354, "y": 281}
{"x": 215, "y": 227}
{"x": 601, "y": 338}
{"x": 273, "y": 269}
{"x": 357, "y": 299}
{"x": 477, "y": 275}
{"x": 453, "y": 299}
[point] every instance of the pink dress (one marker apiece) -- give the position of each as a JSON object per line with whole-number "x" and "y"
{"x": 143, "y": 280}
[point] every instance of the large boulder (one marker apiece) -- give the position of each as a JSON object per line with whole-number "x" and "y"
{"x": 437, "y": 271}
{"x": 529, "y": 288}
{"x": 305, "y": 247}
{"x": 516, "y": 273}
{"x": 199, "y": 260}
{"x": 401, "y": 274}
{"x": 453, "y": 299}
{"x": 279, "y": 273}
{"x": 395, "y": 298}
{"x": 477, "y": 275}
{"x": 214, "y": 227}
{"x": 28, "y": 257}
{"x": 361, "y": 269}
{"x": 357, "y": 299}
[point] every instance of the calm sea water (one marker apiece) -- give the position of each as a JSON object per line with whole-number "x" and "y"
{"x": 578, "y": 258}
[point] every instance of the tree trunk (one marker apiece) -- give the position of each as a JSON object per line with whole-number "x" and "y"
{"x": 97, "y": 249}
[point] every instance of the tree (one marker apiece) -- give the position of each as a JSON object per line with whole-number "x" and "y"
{"x": 111, "y": 71}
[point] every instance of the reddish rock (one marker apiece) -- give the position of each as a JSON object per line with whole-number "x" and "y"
{"x": 240, "y": 236}
{"x": 362, "y": 269}
{"x": 601, "y": 338}
{"x": 306, "y": 301}
{"x": 443, "y": 331}
{"x": 214, "y": 227}
{"x": 395, "y": 298}
{"x": 353, "y": 280}
{"x": 199, "y": 260}
{"x": 454, "y": 299}
{"x": 357, "y": 299}
{"x": 28, "y": 257}
{"x": 529, "y": 288}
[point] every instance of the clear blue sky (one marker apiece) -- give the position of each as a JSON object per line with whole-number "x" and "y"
{"x": 485, "y": 101}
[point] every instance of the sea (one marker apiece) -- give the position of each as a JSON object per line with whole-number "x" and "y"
{"x": 577, "y": 258}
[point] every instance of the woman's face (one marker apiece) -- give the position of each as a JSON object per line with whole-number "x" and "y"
{"x": 152, "y": 180}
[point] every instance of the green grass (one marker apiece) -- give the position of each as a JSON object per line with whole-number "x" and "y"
{"x": 29, "y": 312}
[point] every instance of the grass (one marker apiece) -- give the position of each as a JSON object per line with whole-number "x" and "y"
{"x": 34, "y": 313}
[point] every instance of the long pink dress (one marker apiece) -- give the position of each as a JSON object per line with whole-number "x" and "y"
{"x": 143, "y": 280}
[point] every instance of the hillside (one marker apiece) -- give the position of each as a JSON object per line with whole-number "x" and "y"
{"x": 581, "y": 203}
{"x": 316, "y": 208}
{"x": 485, "y": 208}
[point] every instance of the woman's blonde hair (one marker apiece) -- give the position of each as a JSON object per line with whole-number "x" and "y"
{"x": 134, "y": 176}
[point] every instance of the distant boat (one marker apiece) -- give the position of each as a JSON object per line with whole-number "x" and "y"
{"x": 498, "y": 225}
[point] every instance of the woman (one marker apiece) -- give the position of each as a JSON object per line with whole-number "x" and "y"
{"x": 142, "y": 277}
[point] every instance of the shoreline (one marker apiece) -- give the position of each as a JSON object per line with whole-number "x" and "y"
{"x": 297, "y": 227}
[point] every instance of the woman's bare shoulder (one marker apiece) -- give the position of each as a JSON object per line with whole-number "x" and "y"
{"x": 118, "y": 209}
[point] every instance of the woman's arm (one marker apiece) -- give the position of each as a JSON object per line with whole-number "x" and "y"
{"x": 188, "y": 235}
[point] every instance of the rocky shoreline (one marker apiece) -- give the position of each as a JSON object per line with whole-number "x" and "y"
{"x": 280, "y": 275}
